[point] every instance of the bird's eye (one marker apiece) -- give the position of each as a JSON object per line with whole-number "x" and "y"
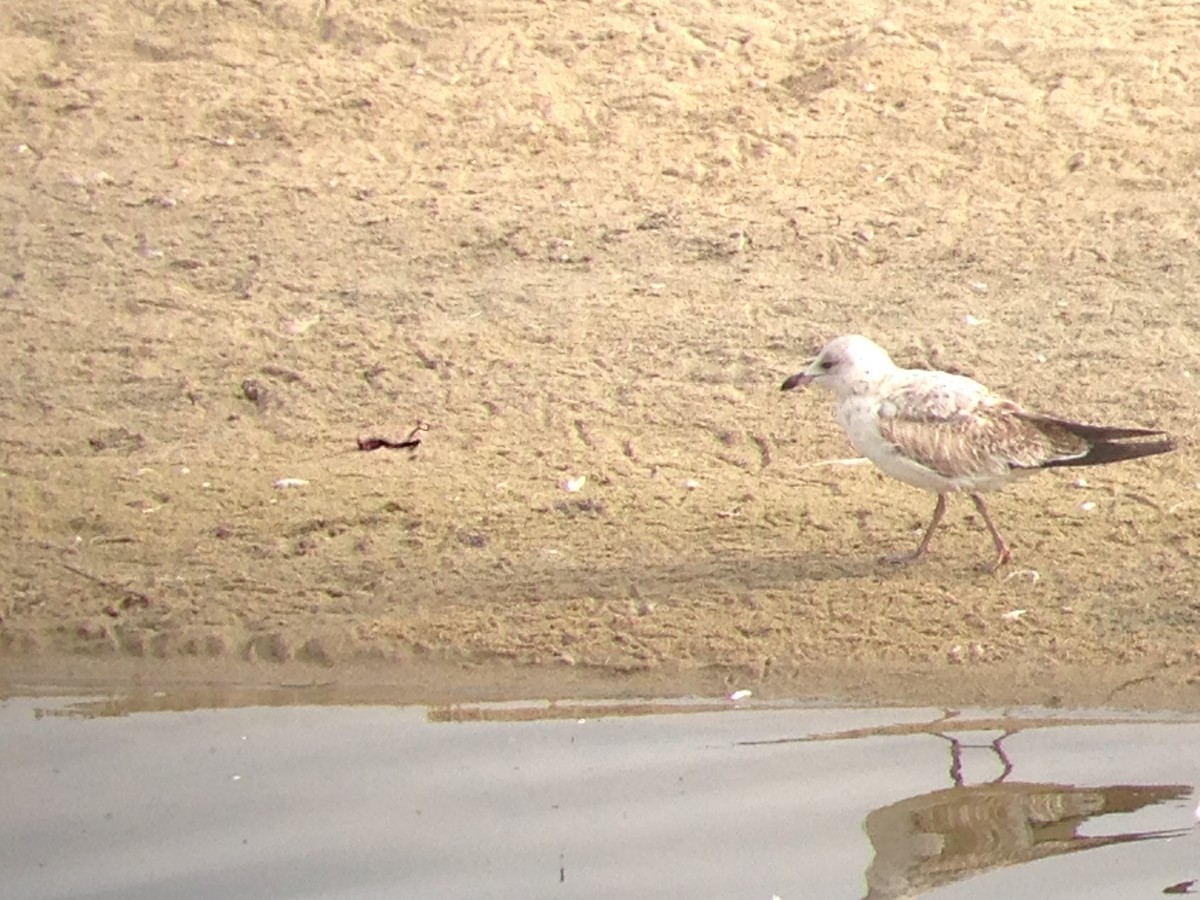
{"x": 825, "y": 365}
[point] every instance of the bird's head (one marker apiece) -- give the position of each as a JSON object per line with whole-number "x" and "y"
{"x": 847, "y": 365}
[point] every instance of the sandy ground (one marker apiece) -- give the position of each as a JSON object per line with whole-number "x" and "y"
{"x": 587, "y": 240}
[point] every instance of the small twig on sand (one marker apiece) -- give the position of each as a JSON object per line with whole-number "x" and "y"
{"x": 132, "y": 597}
{"x": 411, "y": 442}
{"x": 853, "y": 461}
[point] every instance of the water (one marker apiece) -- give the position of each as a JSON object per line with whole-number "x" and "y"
{"x": 592, "y": 801}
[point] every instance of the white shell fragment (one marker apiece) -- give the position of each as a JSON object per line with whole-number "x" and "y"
{"x": 290, "y": 483}
{"x": 1030, "y": 575}
{"x": 573, "y": 485}
{"x": 300, "y": 326}
{"x": 740, "y": 695}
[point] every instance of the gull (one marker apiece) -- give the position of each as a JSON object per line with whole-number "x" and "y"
{"x": 949, "y": 434}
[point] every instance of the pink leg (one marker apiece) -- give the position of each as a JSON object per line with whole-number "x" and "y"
{"x": 923, "y": 547}
{"x": 1003, "y": 553}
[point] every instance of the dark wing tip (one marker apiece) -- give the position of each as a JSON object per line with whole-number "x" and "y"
{"x": 1112, "y": 451}
{"x": 1087, "y": 431}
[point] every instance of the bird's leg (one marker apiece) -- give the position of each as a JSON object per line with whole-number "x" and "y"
{"x": 1003, "y": 553}
{"x": 923, "y": 547}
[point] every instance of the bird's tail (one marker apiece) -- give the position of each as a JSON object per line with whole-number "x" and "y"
{"x": 1106, "y": 443}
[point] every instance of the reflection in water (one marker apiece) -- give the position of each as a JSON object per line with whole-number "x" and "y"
{"x": 554, "y": 709}
{"x": 580, "y": 790}
{"x": 331, "y": 695}
{"x": 947, "y": 836}
{"x": 950, "y": 835}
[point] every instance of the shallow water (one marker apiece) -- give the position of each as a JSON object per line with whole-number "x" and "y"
{"x": 596, "y": 801}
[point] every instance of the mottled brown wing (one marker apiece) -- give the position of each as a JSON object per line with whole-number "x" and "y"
{"x": 956, "y": 428}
